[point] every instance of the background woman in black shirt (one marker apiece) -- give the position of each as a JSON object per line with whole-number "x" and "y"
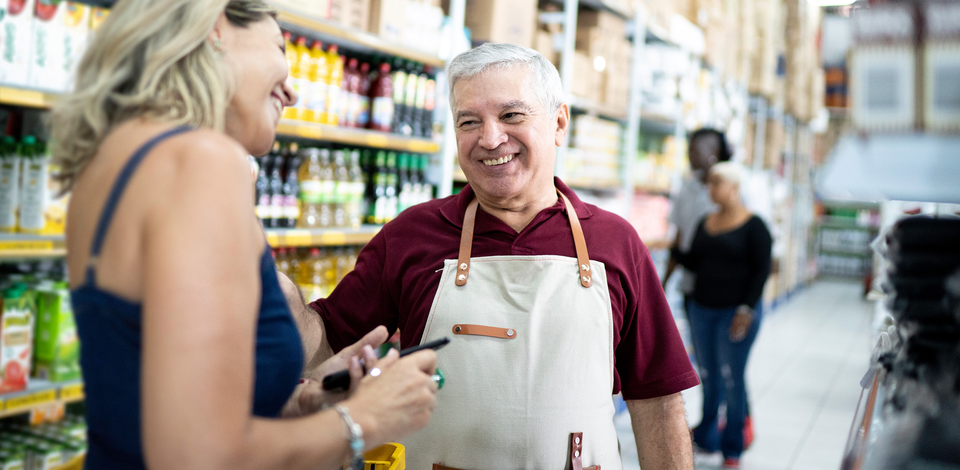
{"x": 730, "y": 256}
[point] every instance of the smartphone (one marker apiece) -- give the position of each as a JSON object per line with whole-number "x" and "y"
{"x": 340, "y": 381}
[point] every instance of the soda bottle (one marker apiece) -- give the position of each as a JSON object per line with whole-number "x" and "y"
{"x": 378, "y": 202}
{"x": 334, "y": 77}
{"x": 311, "y": 188}
{"x": 291, "y": 206}
{"x": 399, "y": 95}
{"x": 392, "y": 197}
{"x": 9, "y": 184}
{"x": 363, "y": 96}
{"x": 342, "y": 189}
{"x": 429, "y": 105}
{"x": 410, "y": 99}
{"x": 33, "y": 190}
{"x": 355, "y": 211}
{"x": 351, "y": 80}
{"x": 417, "y": 118}
{"x": 328, "y": 186}
{"x": 382, "y": 109}
{"x": 276, "y": 191}
{"x": 318, "y": 84}
{"x": 262, "y": 186}
{"x": 313, "y": 279}
{"x": 293, "y": 59}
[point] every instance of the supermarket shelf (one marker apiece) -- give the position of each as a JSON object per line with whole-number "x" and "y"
{"x": 321, "y": 237}
{"x": 598, "y": 109}
{"x": 904, "y": 167}
{"x": 26, "y": 97}
{"x": 359, "y": 40}
{"x": 354, "y": 136}
{"x": 657, "y": 122}
{"x": 40, "y": 393}
{"x": 843, "y": 223}
{"x": 20, "y": 246}
{"x": 849, "y": 254}
{"x": 620, "y": 8}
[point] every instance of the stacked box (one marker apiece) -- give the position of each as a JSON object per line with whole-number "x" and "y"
{"x": 763, "y": 67}
{"x": 506, "y": 21}
{"x": 388, "y": 19}
{"x": 351, "y": 13}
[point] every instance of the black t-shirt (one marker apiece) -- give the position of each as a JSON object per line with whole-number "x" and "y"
{"x": 731, "y": 267}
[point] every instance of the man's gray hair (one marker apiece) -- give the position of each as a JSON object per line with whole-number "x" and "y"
{"x": 546, "y": 80}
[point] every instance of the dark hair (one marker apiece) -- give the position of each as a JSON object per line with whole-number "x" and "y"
{"x": 723, "y": 153}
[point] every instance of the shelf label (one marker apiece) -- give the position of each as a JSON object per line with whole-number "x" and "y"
{"x": 309, "y": 132}
{"x": 334, "y": 238}
{"x": 273, "y": 239}
{"x": 378, "y": 141}
{"x": 72, "y": 392}
{"x": 29, "y": 401}
{"x": 423, "y": 147}
{"x": 297, "y": 238}
{"x": 23, "y": 97}
{"x": 26, "y": 245}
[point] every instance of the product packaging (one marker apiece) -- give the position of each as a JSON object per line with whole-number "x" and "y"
{"x": 16, "y": 337}
{"x": 57, "y": 347}
{"x": 16, "y": 24}
{"x": 47, "y": 64}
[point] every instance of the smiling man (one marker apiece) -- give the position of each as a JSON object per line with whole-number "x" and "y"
{"x": 552, "y": 305}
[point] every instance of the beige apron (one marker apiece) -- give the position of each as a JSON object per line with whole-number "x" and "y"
{"x": 530, "y": 363}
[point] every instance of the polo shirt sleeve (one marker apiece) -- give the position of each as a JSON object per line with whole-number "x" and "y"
{"x": 651, "y": 358}
{"x": 361, "y": 301}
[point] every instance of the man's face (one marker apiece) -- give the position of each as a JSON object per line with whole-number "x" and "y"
{"x": 703, "y": 155}
{"x": 506, "y": 140}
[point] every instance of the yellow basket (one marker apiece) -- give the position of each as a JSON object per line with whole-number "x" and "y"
{"x": 386, "y": 457}
{"x": 75, "y": 464}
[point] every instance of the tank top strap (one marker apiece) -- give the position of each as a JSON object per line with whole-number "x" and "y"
{"x": 114, "y": 198}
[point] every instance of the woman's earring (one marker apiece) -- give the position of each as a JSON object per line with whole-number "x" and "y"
{"x": 217, "y": 47}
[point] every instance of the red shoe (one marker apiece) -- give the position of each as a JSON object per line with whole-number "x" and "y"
{"x": 747, "y": 432}
{"x": 731, "y": 462}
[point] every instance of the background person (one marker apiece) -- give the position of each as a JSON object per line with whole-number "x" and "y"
{"x": 730, "y": 257}
{"x": 189, "y": 351}
{"x": 552, "y": 304}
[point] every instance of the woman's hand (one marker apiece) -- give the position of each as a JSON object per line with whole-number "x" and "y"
{"x": 740, "y": 324}
{"x": 399, "y": 400}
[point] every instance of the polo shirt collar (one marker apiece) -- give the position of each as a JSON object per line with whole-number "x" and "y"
{"x": 454, "y": 208}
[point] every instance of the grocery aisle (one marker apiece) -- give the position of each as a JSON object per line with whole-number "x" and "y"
{"x": 803, "y": 377}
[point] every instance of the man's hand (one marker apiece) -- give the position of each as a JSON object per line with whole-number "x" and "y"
{"x": 660, "y": 427}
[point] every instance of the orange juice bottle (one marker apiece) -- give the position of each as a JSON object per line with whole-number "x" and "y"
{"x": 293, "y": 59}
{"x": 318, "y": 77}
{"x": 302, "y": 80}
{"x": 334, "y": 77}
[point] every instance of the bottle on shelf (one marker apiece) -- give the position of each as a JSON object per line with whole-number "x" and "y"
{"x": 293, "y": 58}
{"x": 399, "y": 94}
{"x": 291, "y": 187}
{"x": 416, "y": 181}
{"x": 342, "y": 264}
{"x": 282, "y": 259}
{"x": 313, "y": 276}
{"x": 417, "y": 117}
{"x": 334, "y": 77}
{"x": 391, "y": 183}
{"x": 363, "y": 97}
{"x": 9, "y": 184}
{"x": 410, "y": 99}
{"x": 275, "y": 186}
{"x": 355, "y": 211}
{"x": 262, "y": 186}
{"x": 378, "y": 203}
{"x": 311, "y": 188}
{"x": 301, "y": 79}
{"x": 328, "y": 187}
{"x": 427, "y": 193}
{"x": 342, "y": 189}
{"x": 329, "y": 267}
{"x": 382, "y": 110}
{"x": 429, "y": 106}
{"x": 318, "y": 83}
{"x": 404, "y": 186}
{"x": 33, "y": 191}
{"x": 351, "y": 80}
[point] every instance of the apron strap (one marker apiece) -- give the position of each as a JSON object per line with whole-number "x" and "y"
{"x": 576, "y": 449}
{"x": 583, "y": 258}
{"x": 466, "y": 243}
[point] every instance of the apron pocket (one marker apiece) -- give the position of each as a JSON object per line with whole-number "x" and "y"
{"x": 481, "y": 330}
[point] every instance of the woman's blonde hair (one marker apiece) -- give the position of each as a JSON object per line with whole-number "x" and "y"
{"x": 149, "y": 59}
{"x": 728, "y": 171}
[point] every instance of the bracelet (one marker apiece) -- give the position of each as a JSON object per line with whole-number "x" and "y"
{"x": 744, "y": 310}
{"x": 355, "y": 437}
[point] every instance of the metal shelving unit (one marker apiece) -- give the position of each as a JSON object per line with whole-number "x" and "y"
{"x": 355, "y": 136}
{"x": 40, "y": 393}
{"x": 321, "y": 237}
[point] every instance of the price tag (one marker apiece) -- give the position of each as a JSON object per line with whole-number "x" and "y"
{"x": 309, "y": 132}
{"x": 423, "y": 147}
{"x": 26, "y": 402}
{"x": 71, "y": 393}
{"x": 17, "y": 96}
{"x": 297, "y": 238}
{"x": 273, "y": 239}
{"x": 334, "y": 238}
{"x": 379, "y": 141}
{"x": 26, "y": 245}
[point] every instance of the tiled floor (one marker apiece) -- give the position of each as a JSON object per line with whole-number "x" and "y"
{"x": 803, "y": 382}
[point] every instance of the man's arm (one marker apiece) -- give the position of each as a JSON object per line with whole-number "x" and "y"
{"x": 660, "y": 427}
{"x": 316, "y": 348}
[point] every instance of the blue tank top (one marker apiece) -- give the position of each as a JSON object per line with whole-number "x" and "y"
{"x": 110, "y": 349}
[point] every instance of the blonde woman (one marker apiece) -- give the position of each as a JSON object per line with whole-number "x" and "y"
{"x": 730, "y": 257}
{"x": 189, "y": 351}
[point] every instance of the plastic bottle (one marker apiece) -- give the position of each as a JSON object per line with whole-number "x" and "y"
{"x": 341, "y": 263}
{"x": 291, "y": 186}
{"x": 351, "y": 80}
{"x": 416, "y": 183}
{"x": 363, "y": 96}
{"x": 33, "y": 191}
{"x": 334, "y": 77}
{"x": 318, "y": 83}
{"x": 410, "y": 99}
{"x": 404, "y": 187}
{"x": 427, "y": 193}
{"x": 276, "y": 219}
{"x": 399, "y": 94}
{"x": 9, "y": 184}
{"x": 329, "y": 268}
{"x": 379, "y": 200}
{"x": 344, "y": 95}
{"x": 313, "y": 277}
{"x": 328, "y": 189}
{"x": 293, "y": 59}
{"x": 304, "y": 86}
{"x": 429, "y": 106}
{"x": 311, "y": 188}
{"x": 262, "y": 186}
{"x": 342, "y": 189}
{"x": 282, "y": 259}
{"x": 392, "y": 198}
{"x": 355, "y": 210}
{"x": 382, "y": 96}
{"x": 417, "y": 118}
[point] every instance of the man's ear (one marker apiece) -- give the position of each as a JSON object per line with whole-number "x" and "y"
{"x": 562, "y": 119}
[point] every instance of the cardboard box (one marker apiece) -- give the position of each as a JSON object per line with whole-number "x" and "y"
{"x": 16, "y": 34}
{"x": 351, "y": 13}
{"x": 543, "y": 43}
{"x": 506, "y": 21}
{"x": 586, "y": 81}
{"x": 388, "y": 19}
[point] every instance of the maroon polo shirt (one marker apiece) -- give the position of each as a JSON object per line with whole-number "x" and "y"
{"x": 398, "y": 272}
